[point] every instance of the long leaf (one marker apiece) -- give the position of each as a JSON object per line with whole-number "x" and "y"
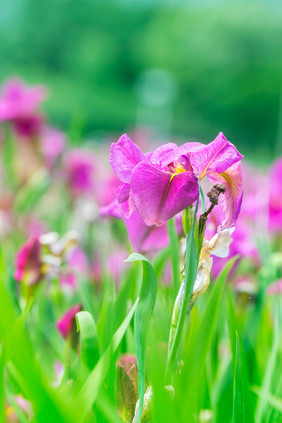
{"x": 182, "y": 301}
{"x": 90, "y": 390}
{"x": 2, "y": 385}
{"x": 195, "y": 359}
{"x": 89, "y": 349}
{"x": 142, "y": 318}
{"x": 268, "y": 375}
{"x": 239, "y": 387}
{"x": 271, "y": 399}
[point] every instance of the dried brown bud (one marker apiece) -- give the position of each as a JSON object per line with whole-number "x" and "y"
{"x": 214, "y": 193}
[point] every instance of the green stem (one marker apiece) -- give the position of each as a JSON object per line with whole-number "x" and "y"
{"x": 174, "y": 256}
{"x": 182, "y": 301}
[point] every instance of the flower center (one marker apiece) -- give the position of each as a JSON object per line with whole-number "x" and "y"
{"x": 180, "y": 165}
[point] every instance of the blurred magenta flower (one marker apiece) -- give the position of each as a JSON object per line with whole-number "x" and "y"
{"x": 77, "y": 260}
{"x": 275, "y": 197}
{"x": 19, "y": 104}
{"x": 28, "y": 266}
{"x": 66, "y": 323}
{"x": 275, "y": 288}
{"x": 160, "y": 184}
{"x": 52, "y": 144}
{"x": 68, "y": 282}
{"x": 80, "y": 171}
{"x": 42, "y": 256}
{"x": 243, "y": 243}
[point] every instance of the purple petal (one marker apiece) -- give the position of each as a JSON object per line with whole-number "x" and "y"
{"x": 111, "y": 210}
{"x": 124, "y": 197}
{"x": 125, "y": 155}
{"x": 145, "y": 238}
{"x": 159, "y": 195}
{"x": 217, "y": 156}
{"x": 162, "y": 151}
{"x": 183, "y": 150}
{"x": 231, "y": 200}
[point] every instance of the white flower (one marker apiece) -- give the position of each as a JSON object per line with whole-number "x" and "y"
{"x": 217, "y": 246}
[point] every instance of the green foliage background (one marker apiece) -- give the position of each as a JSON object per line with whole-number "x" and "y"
{"x": 224, "y": 60}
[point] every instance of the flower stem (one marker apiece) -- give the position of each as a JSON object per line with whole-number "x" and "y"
{"x": 174, "y": 256}
{"x": 182, "y": 302}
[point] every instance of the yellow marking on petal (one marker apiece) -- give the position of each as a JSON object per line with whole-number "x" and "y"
{"x": 203, "y": 174}
{"x": 179, "y": 169}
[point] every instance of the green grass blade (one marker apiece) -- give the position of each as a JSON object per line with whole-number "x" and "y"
{"x": 174, "y": 252}
{"x": 182, "y": 301}
{"x": 268, "y": 375}
{"x": 90, "y": 390}
{"x": 89, "y": 349}
{"x": 274, "y": 401}
{"x": 239, "y": 387}
{"x": 2, "y": 384}
{"x": 232, "y": 323}
{"x": 142, "y": 318}
{"x": 202, "y": 339}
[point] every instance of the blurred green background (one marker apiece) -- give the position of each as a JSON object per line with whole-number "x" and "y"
{"x": 185, "y": 69}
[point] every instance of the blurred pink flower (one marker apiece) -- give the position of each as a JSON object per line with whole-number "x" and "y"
{"x": 275, "y": 288}
{"x": 275, "y": 197}
{"x": 52, "y": 145}
{"x": 80, "y": 171}
{"x": 28, "y": 263}
{"x": 116, "y": 264}
{"x": 77, "y": 260}
{"x": 66, "y": 323}
{"x": 243, "y": 242}
{"x": 19, "y": 104}
{"x": 68, "y": 281}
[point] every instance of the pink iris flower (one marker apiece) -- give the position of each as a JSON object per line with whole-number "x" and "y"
{"x": 19, "y": 105}
{"x": 162, "y": 183}
{"x": 80, "y": 169}
{"x": 143, "y": 238}
{"x": 66, "y": 323}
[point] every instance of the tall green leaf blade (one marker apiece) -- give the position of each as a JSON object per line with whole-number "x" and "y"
{"x": 239, "y": 386}
{"x": 142, "y": 318}
{"x": 89, "y": 350}
{"x": 2, "y": 384}
{"x": 232, "y": 323}
{"x": 182, "y": 301}
{"x": 90, "y": 390}
{"x": 268, "y": 375}
{"x": 201, "y": 342}
{"x": 273, "y": 400}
